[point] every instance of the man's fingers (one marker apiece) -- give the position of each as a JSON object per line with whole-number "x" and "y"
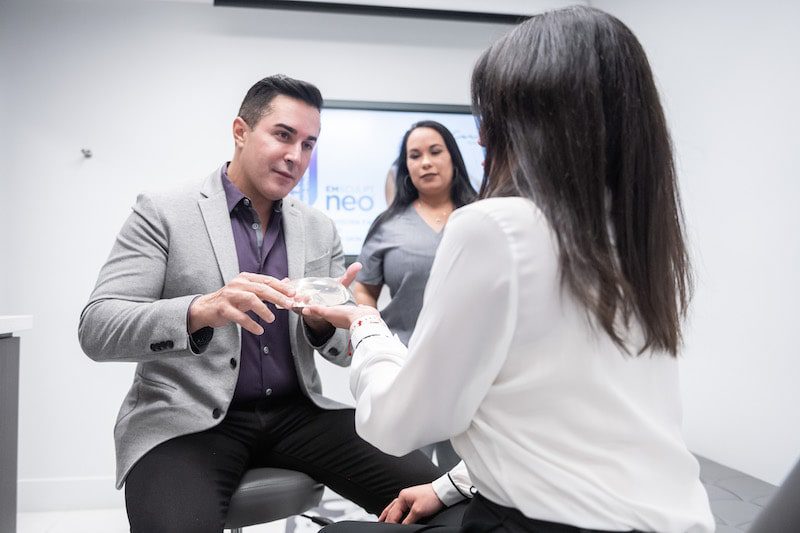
{"x": 234, "y": 315}
{"x": 350, "y": 274}
{"x": 255, "y": 305}
{"x": 281, "y": 286}
{"x": 270, "y": 294}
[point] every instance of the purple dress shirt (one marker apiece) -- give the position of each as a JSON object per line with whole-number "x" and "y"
{"x": 266, "y": 366}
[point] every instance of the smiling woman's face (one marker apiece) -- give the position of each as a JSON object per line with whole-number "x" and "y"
{"x": 429, "y": 163}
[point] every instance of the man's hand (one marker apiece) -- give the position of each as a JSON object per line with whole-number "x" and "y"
{"x": 350, "y": 274}
{"x": 246, "y": 292}
{"x": 412, "y": 503}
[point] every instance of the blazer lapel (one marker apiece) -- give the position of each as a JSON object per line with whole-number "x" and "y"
{"x": 214, "y": 207}
{"x": 294, "y": 235}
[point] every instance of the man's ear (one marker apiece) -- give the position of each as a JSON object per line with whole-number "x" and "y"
{"x": 240, "y": 131}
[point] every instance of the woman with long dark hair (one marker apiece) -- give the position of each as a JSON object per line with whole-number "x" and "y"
{"x": 560, "y": 295}
{"x": 430, "y": 182}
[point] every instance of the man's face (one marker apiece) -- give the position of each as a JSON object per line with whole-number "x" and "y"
{"x": 275, "y": 153}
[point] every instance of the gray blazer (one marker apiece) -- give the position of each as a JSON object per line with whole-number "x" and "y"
{"x": 175, "y": 246}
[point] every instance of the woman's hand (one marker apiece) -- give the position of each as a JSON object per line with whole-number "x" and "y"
{"x": 319, "y": 325}
{"x": 412, "y": 503}
{"x": 341, "y": 316}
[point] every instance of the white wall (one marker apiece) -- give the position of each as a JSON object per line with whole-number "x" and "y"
{"x": 151, "y": 88}
{"x": 729, "y": 73}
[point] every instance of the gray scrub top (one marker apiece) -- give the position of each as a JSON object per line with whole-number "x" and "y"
{"x": 400, "y": 255}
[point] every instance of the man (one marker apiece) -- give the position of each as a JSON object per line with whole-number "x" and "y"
{"x": 225, "y": 378}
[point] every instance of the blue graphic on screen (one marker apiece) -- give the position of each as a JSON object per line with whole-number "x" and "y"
{"x": 306, "y": 188}
{"x": 353, "y": 162}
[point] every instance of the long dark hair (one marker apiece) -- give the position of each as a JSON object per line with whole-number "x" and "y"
{"x": 571, "y": 119}
{"x": 461, "y": 191}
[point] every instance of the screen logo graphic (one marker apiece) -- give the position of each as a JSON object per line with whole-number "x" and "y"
{"x": 306, "y": 188}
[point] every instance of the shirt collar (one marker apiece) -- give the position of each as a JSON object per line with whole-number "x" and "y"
{"x": 232, "y": 193}
{"x": 234, "y": 196}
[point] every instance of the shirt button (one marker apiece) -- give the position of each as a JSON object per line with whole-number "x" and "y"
{"x": 268, "y": 391}
{"x": 265, "y": 349}
{"x": 247, "y": 202}
{"x": 233, "y": 362}
{"x": 255, "y": 225}
{"x": 216, "y": 413}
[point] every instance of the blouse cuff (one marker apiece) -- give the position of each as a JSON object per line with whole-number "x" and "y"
{"x": 367, "y": 326}
{"x": 455, "y": 485}
{"x": 447, "y": 491}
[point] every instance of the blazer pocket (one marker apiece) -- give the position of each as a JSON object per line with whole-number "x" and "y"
{"x": 156, "y": 384}
{"x": 319, "y": 267}
{"x": 128, "y": 406}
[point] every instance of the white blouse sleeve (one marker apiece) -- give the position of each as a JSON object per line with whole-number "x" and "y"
{"x": 454, "y": 486}
{"x": 407, "y": 399}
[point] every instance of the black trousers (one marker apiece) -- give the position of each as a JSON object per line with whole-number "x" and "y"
{"x": 446, "y": 456}
{"x": 481, "y": 516}
{"x": 185, "y": 484}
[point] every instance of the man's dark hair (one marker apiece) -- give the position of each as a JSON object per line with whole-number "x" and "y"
{"x": 257, "y": 101}
{"x": 571, "y": 118}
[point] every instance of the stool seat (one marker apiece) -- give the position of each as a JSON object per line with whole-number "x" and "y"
{"x": 268, "y": 494}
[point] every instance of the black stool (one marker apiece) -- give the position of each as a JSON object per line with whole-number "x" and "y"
{"x": 269, "y": 494}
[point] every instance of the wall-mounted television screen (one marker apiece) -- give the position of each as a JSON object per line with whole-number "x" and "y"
{"x": 355, "y": 155}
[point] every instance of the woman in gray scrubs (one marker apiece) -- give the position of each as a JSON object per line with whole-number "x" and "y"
{"x": 431, "y": 181}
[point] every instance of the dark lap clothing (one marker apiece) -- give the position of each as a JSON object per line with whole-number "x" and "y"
{"x": 185, "y": 484}
{"x": 481, "y": 516}
{"x": 446, "y": 456}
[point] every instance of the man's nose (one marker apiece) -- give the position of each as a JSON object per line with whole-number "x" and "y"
{"x": 293, "y": 153}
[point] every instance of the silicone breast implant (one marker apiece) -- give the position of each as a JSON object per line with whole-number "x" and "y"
{"x": 320, "y": 291}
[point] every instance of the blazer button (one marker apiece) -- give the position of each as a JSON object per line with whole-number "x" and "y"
{"x": 233, "y": 362}
{"x": 216, "y": 413}
{"x": 333, "y": 351}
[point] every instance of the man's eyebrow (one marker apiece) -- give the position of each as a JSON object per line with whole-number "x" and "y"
{"x": 288, "y": 128}
{"x": 293, "y": 131}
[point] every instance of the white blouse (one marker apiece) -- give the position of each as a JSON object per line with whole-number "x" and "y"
{"x": 549, "y": 415}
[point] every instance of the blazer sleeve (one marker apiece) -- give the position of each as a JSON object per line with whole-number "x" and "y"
{"x": 335, "y": 348}
{"x": 126, "y": 319}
